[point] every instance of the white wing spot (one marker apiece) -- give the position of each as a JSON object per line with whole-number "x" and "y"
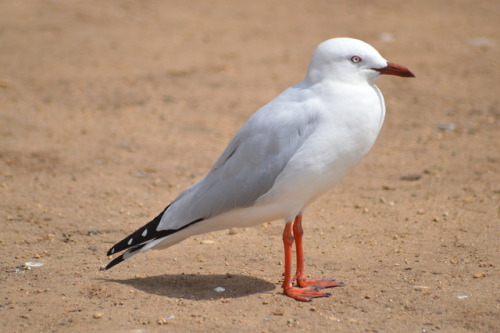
{"x": 130, "y": 241}
{"x": 112, "y": 250}
{"x": 145, "y": 232}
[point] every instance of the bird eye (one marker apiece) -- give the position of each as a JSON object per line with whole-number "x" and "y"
{"x": 356, "y": 59}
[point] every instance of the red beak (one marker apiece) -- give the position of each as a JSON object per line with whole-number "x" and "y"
{"x": 395, "y": 69}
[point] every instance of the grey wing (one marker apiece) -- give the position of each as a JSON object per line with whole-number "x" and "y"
{"x": 246, "y": 170}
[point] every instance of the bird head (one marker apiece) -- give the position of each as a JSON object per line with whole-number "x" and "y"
{"x": 352, "y": 61}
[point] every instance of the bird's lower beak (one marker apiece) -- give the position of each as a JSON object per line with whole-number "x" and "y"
{"x": 395, "y": 69}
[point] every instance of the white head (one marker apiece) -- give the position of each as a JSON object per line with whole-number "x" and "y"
{"x": 350, "y": 60}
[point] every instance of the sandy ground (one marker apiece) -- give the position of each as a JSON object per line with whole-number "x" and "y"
{"x": 108, "y": 109}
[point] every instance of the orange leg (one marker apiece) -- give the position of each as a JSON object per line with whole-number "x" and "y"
{"x": 304, "y": 294}
{"x": 300, "y": 276}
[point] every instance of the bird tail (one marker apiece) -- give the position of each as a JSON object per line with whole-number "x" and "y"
{"x": 142, "y": 239}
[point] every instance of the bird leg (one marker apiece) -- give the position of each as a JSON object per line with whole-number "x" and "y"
{"x": 304, "y": 294}
{"x": 300, "y": 276}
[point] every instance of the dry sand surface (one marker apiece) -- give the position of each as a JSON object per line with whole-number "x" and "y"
{"x": 108, "y": 109}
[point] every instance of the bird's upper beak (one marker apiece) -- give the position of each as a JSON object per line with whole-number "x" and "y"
{"x": 395, "y": 69}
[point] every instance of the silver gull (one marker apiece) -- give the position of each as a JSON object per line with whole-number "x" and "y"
{"x": 290, "y": 152}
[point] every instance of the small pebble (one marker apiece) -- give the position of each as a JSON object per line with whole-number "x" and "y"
{"x": 33, "y": 264}
{"x": 446, "y": 127}
{"x": 278, "y": 313}
{"x": 164, "y": 321}
{"x": 92, "y": 232}
{"x": 421, "y": 288}
{"x": 97, "y": 315}
{"x": 411, "y": 177}
{"x": 141, "y": 174}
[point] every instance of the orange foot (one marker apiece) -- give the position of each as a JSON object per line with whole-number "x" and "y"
{"x": 318, "y": 284}
{"x": 305, "y": 294}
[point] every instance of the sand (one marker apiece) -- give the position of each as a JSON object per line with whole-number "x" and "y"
{"x": 108, "y": 109}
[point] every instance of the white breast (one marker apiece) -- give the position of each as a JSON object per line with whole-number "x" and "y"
{"x": 347, "y": 128}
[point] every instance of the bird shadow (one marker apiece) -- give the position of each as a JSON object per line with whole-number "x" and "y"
{"x": 198, "y": 286}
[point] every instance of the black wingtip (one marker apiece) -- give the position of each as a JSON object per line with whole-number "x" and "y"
{"x": 114, "y": 262}
{"x": 140, "y": 238}
{"x": 112, "y": 250}
{"x": 141, "y": 235}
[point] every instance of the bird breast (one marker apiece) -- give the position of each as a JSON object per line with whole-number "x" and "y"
{"x": 342, "y": 138}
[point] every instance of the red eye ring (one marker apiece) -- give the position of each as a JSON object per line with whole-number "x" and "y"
{"x": 356, "y": 59}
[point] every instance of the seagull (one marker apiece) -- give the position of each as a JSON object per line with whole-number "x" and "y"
{"x": 288, "y": 153}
